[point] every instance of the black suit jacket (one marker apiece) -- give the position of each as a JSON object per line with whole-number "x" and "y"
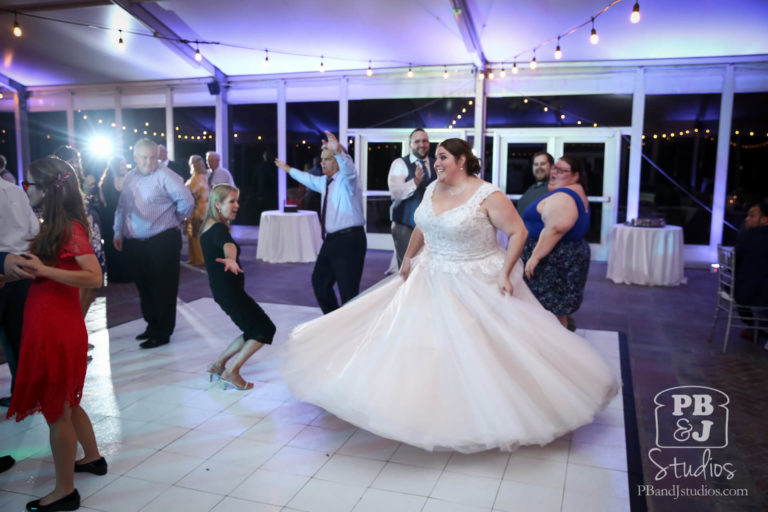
{"x": 751, "y": 270}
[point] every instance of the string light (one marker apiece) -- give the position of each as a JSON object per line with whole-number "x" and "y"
{"x": 635, "y": 16}
{"x": 502, "y": 73}
{"x": 515, "y": 70}
{"x": 120, "y": 42}
{"x": 490, "y": 74}
{"x": 593, "y": 38}
{"x": 16, "y": 27}
{"x": 558, "y": 53}
{"x": 410, "y": 70}
{"x": 322, "y": 65}
{"x": 266, "y": 58}
{"x": 198, "y": 55}
{"x": 481, "y": 74}
{"x": 533, "y": 60}
{"x": 369, "y": 71}
{"x": 445, "y": 72}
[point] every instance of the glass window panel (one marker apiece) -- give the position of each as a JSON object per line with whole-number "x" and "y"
{"x": 581, "y": 110}
{"x": 377, "y": 214}
{"x": 47, "y": 131}
{"x": 8, "y": 141}
{"x": 520, "y": 165}
{"x": 748, "y": 152}
{"x": 380, "y": 157}
{"x": 593, "y": 156}
{"x": 136, "y": 120}
{"x": 412, "y": 113}
{"x": 680, "y": 135}
{"x": 196, "y": 135}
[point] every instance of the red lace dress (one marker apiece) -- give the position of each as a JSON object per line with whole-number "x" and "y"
{"x": 54, "y": 342}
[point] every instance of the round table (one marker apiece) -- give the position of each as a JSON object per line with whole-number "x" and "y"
{"x": 289, "y": 237}
{"x": 646, "y": 256}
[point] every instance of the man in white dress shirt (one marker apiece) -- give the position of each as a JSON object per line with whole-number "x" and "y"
{"x": 408, "y": 178}
{"x": 216, "y": 173}
{"x": 342, "y": 255}
{"x": 18, "y": 224}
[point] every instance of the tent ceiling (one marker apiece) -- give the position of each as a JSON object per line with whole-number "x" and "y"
{"x": 390, "y": 34}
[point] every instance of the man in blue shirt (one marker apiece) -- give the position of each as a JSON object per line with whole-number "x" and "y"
{"x": 342, "y": 255}
{"x": 152, "y": 206}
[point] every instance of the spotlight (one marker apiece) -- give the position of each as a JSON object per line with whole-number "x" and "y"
{"x": 100, "y": 146}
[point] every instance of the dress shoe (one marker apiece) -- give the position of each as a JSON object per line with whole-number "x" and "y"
{"x": 6, "y": 463}
{"x": 153, "y": 343}
{"x": 5, "y": 401}
{"x": 69, "y": 502}
{"x": 96, "y": 467}
{"x": 143, "y": 336}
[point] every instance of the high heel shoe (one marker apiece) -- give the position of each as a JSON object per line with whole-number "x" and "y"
{"x": 69, "y": 502}
{"x": 214, "y": 372}
{"x": 228, "y": 382}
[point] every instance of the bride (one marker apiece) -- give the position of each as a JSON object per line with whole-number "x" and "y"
{"x": 456, "y": 353}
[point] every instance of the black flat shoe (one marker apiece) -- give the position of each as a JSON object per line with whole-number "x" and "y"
{"x": 6, "y": 463}
{"x": 153, "y": 343}
{"x": 143, "y": 336}
{"x": 5, "y": 401}
{"x": 96, "y": 467}
{"x": 69, "y": 502}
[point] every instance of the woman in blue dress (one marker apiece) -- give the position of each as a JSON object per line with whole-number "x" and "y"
{"x": 556, "y": 256}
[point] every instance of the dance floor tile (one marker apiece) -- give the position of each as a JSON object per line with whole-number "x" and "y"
{"x": 470, "y": 490}
{"x": 175, "y": 441}
{"x": 324, "y": 496}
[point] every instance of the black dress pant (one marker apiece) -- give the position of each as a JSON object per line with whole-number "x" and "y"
{"x": 12, "y": 298}
{"x": 340, "y": 262}
{"x": 155, "y": 265}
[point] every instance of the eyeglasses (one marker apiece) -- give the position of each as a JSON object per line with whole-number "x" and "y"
{"x": 559, "y": 170}
{"x": 26, "y": 184}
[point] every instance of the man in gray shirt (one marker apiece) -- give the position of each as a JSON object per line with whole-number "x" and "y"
{"x": 542, "y": 164}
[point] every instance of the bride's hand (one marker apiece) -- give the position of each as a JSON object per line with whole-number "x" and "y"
{"x": 405, "y": 268}
{"x": 530, "y": 266}
{"x": 505, "y": 285}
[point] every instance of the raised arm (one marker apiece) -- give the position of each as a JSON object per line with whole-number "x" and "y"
{"x": 559, "y": 214}
{"x": 504, "y": 217}
{"x": 316, "y": 183}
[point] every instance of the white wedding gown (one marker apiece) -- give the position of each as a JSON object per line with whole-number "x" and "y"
{"x": 443, "y": 360}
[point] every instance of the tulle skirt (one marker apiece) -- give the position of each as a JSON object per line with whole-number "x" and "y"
{"x": 443, "y": 361}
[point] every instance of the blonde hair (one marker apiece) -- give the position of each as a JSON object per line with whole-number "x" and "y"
{"x": 218, "y": 194}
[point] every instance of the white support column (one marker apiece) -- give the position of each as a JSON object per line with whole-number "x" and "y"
{"x": 170, "y": 133}
{"x": 21, "y": 126}
{"x": 344, "y": 111}
{"x": 222, "y": 127}
{"x": 118, "y": 143}
{"x": 71, "y": 118}
{"x": 282, "y": 144}
{"x": 636, "y": 147}
{"x": 481, "y": 92}
{"x": 721, "y": 163}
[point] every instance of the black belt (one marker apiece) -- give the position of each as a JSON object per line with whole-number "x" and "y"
{"x": 345, "y": 230}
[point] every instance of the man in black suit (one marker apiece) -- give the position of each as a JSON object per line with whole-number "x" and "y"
{"x": 751, "y": 272}
{"x": 408, "y": 179}
{"x": 162, "y": 157}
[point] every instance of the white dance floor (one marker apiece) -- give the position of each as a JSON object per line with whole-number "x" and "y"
{"x": 174, "y": 442}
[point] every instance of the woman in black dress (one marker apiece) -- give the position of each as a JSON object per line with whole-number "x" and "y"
{"x": 227, "y": 281}
{"x": 110, "y": 186}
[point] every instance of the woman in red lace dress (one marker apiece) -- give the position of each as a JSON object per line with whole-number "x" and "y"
{"x": 54, "y": 341}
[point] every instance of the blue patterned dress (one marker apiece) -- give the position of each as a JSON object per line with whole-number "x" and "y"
{"x": 560, "y": 277}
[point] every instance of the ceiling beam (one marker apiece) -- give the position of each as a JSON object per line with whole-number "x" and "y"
{"x": 12, "y": 84}
{"x": 177, "y": 44}
{"x": 55, "y": 6}
{"x": 468, "y": 31}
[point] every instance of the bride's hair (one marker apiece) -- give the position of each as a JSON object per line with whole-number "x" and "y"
{"x": 459, "y": 147}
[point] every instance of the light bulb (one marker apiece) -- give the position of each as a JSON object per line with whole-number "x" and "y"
{"x": 515, "y": 70}
{"x": 16, "y": 27}
{"x": 369, "y": 71}
{"x": 120, "y": 42}
{"x": 635, "y": 16}
{"x": 533, "y": 63}
{"x": 198, "y": 55}
{"x": 558, "y": 53}
{"x": 490, "y": 74}
{"x": 322, "y": 65}
{"x": 502, "y": 73}
{"x": 266, "y": 58}
{"x": 593, "y": 38}
{"x": 410, "y": 72}
{"x": 445, "y": 73}
{"x": 481, "y": 75}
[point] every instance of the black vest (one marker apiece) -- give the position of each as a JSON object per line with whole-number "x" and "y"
{"x": 402, "y": 211}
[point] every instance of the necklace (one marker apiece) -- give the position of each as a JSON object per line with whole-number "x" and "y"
{"x": 457, "y": 191}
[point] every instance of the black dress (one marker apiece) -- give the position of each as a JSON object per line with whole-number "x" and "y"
{"x": 229, "y": 289}
{"x": 118, "y": 270}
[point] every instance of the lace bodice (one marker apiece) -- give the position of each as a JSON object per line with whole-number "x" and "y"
{"x": 461, "y": 237}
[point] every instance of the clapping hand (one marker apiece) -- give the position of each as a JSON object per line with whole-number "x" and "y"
{"x": 418, "y": 174}
{"x": 230, "y": 265}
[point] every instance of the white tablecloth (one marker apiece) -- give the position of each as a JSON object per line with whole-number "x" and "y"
{"x": 289, "y": 237}
{"x": 646, "y": 256}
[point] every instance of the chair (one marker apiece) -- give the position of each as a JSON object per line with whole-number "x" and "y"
{"x": 726, "y": 298}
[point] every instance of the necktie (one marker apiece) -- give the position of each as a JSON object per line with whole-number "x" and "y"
{"x": 425, "y": 166}
{"x": 325, "y": 205}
